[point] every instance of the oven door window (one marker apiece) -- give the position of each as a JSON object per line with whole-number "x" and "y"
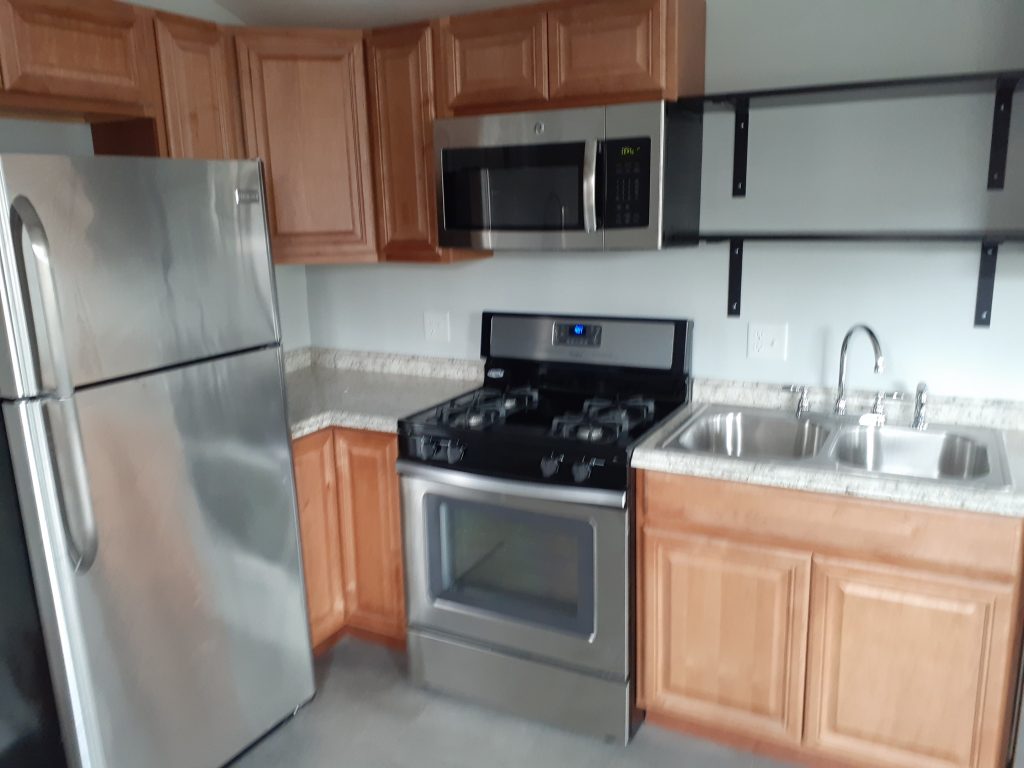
{"x": 518, "y": 565}
{"x": 530, "y": 187}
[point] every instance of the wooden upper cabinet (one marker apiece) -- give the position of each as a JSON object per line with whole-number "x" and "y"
{"x": 371, "y": 531}
{"x": 908, "y": 670}
{"x": 402, "y": 129}
{"x": 319, "y": 531}
{"x": 725, "y": 633}
{"x": 199, "y": 86}
{"x": 305, "y": 115}
{"x": 83, "y": 49}
{"x": 497, "y": 58}
{"x": 608, "y": 47}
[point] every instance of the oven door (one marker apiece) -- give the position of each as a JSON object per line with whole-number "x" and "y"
{"x": 525, "y": 181}
{"x": 540, "y": 571}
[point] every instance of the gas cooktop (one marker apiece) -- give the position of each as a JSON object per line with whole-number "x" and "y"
{"x": 567, "y": 399}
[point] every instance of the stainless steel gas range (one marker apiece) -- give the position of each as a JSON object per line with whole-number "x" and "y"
{"x": 516, "y": 505}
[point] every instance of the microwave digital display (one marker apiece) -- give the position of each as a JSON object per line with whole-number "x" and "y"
{"x": 627, "y": 183}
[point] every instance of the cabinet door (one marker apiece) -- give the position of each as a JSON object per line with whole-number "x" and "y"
{"x": 907, "y": 669}
{"x": 402, "y": 126}
{"x": 725, "y": 634}
{"x": 496, "y": 59}
{"x": 610, "y": 47}
{"x": 304, "y": 111}
{"x": 320, "y": 533}
{"x": 197, "y": 77}
{"x": 371, "y": 531}
{"x": 88, "y": 49}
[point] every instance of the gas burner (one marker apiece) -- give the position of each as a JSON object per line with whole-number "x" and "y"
{"x": 603, "y": 420}
{"x": 485, "y": 407}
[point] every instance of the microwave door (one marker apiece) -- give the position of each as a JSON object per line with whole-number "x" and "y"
{"x": 520, "y": 197}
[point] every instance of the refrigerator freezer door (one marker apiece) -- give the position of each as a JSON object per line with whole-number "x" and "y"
{"x": 154, "y": 263}
{"x": 187, "y": 638}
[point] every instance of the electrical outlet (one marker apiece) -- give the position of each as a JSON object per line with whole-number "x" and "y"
{"x": 768, "y": 341}
{"x": 437, "y": 326}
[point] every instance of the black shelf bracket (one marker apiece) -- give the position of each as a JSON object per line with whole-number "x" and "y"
{"x": 986, "y": 284}
{"x": 735, "y": 276}
{"x": 739, "y": 147}
{"x": 1005, "y": 87}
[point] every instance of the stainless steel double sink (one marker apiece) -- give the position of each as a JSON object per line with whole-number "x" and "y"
{"x": 964, "y": 455}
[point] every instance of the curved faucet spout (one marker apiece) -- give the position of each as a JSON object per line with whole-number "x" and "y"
{"x": 840, "y": 407}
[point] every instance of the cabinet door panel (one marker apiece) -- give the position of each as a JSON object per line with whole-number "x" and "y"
{"x": 612, "y": 47}
{"x": 83, "y": 48}
{"x": 907, "y": 669}
{"x": 320, "y": 533}
{"x": 494, "y": 59}
{"x": 402, "y": 125}
{"x": 304, "y": 109}
{"x": 726, "y": 631}
{"x": 197, "y": 74}
{"x": 371, "y": 531}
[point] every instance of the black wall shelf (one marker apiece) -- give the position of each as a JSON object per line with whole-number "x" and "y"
{"x": 1004, "y": 84}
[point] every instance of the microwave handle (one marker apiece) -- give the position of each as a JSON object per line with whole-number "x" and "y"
{"x": 590, "y": 186}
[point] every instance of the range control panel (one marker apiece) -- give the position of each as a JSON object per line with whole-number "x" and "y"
{"x": 576, "y": 335}
{"x": 627, "y": 183}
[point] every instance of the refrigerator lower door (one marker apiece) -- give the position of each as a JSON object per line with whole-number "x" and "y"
{"x": 186, "y": 637}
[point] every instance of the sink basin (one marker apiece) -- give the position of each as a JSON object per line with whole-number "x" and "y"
{"x": 937, "y": 455}
{"x": 967, "y": 455}
{"x": 753, "y": 434}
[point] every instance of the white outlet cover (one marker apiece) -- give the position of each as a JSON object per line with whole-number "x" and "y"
{"x": 437, "y": 326}
{"x": 768, "y": 341}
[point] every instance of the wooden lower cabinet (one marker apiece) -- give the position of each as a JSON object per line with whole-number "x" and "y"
{"x": 319, "y": 530}
{"x": 726, "y": 633}
{"x": 828, "y": 630}
{"x": 906, "y": 668}
{"x": 350, "y": 526}
{"x": 371, "y": 531}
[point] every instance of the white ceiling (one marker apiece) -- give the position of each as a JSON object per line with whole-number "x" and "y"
{"x": 352, "y": 13}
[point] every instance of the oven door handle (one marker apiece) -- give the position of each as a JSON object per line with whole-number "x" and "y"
{"x": 590, "y": 185}
{"x": 594, "y": 497}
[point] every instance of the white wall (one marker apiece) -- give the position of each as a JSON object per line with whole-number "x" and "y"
{"x": 832, "y": 166}
{"x": 45, "y": 137}
{"x": 210, "y": 10}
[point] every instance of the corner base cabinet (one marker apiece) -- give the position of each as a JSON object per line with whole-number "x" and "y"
{"x": 350, "y": 526}
{"x": 828, "y": 630}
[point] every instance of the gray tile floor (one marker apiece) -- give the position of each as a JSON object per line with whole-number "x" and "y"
{"x": 367, "y": 715}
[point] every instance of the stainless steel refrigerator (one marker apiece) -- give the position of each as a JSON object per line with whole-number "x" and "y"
{"x": 153, "y": 611}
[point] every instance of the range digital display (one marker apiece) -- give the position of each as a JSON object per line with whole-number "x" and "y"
{"x": 576, "y": 335}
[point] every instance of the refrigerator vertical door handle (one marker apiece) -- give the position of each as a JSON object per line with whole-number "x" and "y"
{"x": 61, "y": 416}
{"x": 64, "y": 439}
{"x": 41, "y": 304}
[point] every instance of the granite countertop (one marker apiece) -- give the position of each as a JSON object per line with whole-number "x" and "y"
{"x": 650, "y": 455}
{"x": 322, "y": 395}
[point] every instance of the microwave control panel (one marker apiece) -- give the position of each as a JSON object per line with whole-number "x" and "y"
{"x": 627, "y": 183}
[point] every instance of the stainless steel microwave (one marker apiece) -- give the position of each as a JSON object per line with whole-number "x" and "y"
{"x": 595, "y": 178}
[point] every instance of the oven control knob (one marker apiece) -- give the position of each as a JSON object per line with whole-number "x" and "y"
{"x": 581, "y": 471}
{"x": 550, "y": 464}
{"x": 422, "y": 447}
{"x": 455, "y": 452}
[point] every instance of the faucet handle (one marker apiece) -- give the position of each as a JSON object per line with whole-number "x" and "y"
{"x": 804, "y": 403}
{"x": 882, "y": 397}
{"x": 921, "y": 407}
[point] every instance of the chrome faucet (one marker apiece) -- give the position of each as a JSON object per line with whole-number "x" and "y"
{"x": 921, "y": 407}
{"x": 840, "y": 407}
